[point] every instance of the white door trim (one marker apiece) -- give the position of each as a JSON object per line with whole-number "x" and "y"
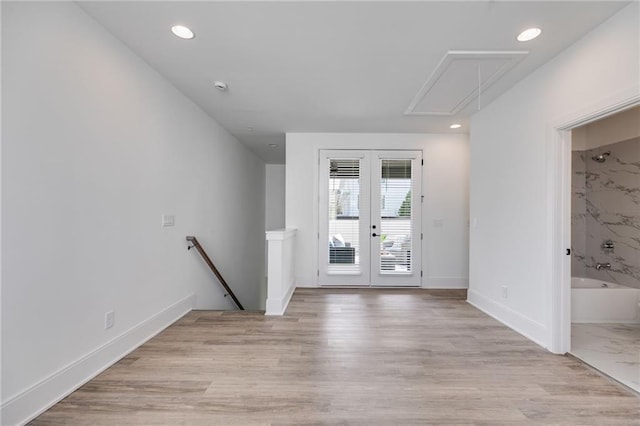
{"x": 559, "y": 179}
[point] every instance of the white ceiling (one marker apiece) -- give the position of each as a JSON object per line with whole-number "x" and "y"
{"x": 334, "y": 66}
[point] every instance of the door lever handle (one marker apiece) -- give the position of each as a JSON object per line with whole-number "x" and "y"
{"x": 374, "y": 235}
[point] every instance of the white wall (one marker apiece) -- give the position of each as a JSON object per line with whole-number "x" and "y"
{"x": 1, "y": 185}
{"x": 282, "y": 246}
{"x": 445, "y": 187}
{"x": 274, "y": 212}
{"x": 274, "y": 196}
{"x": 96, "y": 145}
{"x": 616, "y": 128}
{"x": 512, "y": 146}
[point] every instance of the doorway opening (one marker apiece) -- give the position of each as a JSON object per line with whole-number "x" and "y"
{"x": 605, "y": 245}
{"x": 370, "y": 209}
{"x": 560, "y": 227}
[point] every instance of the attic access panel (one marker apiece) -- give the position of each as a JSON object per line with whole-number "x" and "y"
{"x": 454, "y": 82}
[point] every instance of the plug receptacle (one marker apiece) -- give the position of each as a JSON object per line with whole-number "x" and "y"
{"x": 109, "y": 320}
{"x": 505, "y": 292}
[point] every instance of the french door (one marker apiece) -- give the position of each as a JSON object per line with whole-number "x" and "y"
{"x": 370, "y": 210}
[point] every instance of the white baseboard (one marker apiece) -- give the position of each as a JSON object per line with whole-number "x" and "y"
{"x": 532, "y": 330}
{"x": 278, "y": 306}
{"x": 446, "y": 282}
{"x": 433, "y": 282}
{"x": 35, "y": 400}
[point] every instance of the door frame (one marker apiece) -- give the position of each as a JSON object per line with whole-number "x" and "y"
{"x": 559, "y": 179}
{"x": 417, "y": 197}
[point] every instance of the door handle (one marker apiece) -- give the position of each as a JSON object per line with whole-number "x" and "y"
{"x": 374, "y": 235}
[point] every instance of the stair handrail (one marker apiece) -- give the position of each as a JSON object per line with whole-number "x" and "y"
{"x": 193, "y": 240}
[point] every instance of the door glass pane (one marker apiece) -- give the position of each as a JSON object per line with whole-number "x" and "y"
{"x": 395, "y": 216}
{"x": 344, "y": 216}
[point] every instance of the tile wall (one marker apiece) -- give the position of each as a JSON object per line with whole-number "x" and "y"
{"x": 606, "y": 207}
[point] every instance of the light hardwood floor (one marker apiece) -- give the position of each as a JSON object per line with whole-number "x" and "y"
{"x": 363, "y": 357}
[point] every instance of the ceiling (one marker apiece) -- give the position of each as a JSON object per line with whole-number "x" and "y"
{"x": 336, "y": 66}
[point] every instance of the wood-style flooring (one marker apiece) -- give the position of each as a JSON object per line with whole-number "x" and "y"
{"x": 338, "y": 357}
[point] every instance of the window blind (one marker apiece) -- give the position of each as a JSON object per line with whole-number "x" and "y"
{"x": 396, "y": 213}
{"x": 344, "y": 215}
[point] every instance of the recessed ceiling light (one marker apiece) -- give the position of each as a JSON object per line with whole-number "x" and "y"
{"x": 182, "y": 32}
{"x": 529, "y": 34}
{"x": 455, "y": 126}
{"x": 273, "y": 145}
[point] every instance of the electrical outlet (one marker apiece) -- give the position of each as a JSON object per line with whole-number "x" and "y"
{"x": 505, "y": 292}
{"x": 109, "y": 320}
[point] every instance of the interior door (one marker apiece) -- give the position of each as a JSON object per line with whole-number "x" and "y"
{"x": 369, "y": 230}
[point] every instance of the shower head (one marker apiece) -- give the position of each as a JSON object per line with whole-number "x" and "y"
{"x": 602, "y": 157}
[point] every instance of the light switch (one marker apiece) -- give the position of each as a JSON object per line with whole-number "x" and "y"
{"x": 168, "y": 220}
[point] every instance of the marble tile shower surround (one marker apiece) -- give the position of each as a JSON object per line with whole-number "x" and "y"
{"x": 578, "y": 215}
{"x": 606, "y": 206}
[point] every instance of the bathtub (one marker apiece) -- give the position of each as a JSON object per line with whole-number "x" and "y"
{"x": 599, "y": 301}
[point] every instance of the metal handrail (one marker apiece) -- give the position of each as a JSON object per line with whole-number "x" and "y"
{"x": 207, "y": 260}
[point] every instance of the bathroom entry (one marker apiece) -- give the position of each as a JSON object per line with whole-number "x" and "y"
{"x": 370, "y": 209}
{"x": 605, "y": 241}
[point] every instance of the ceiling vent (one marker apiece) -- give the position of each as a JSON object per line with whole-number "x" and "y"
{"x": 459, "y": 78}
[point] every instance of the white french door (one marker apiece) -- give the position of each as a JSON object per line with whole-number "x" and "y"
{"x": 370, "y": 210}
